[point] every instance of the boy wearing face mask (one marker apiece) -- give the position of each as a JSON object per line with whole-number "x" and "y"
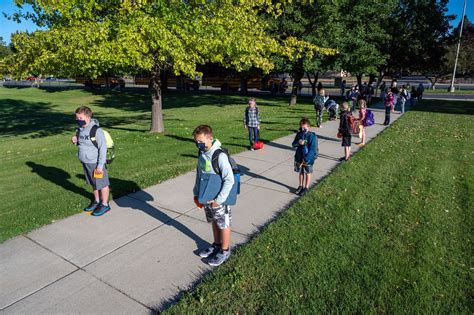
{"x": 305, "y": 144}
{"x": 93, "y": 160}
{"x": 217, "y": 214}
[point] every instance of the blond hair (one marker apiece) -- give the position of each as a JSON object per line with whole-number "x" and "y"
{"x": 362, "y": 104}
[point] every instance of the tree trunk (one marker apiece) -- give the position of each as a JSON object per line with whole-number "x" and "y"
{"x": 379, "y": 80}
{"x": 371, "y": 78}
{"x": 359, "y": 79}
{"x": 243, "y": 85}
{"x": 294, "y": 90}
{"x": 157, "y": 124}
{"x": 298, "y": 73}
{"x": 313, "y": 83}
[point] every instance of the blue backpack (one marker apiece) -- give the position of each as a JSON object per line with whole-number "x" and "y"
{"x": 369, "y": 119}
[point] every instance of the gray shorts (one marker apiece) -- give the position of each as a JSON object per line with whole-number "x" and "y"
{"x": 97, "y": 183}
{"x": 221, "y": 215}
{"x": 305, "y": 169}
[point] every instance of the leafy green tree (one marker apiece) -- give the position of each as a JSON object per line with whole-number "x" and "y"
{"x": 95, "y": 37}
{"x": 418, "y": 31}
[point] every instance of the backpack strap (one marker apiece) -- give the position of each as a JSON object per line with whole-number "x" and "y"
{"x": 215, "y": 161}
{"x": 93, "y": 134}
{"x": 77, "y": 136}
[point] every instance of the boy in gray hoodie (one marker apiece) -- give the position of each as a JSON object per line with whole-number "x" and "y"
{"x": 216, "y": 213}
{"x": 92, "y": 152}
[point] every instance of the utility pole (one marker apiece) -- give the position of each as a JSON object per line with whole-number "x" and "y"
{"x": 451, "y": 87}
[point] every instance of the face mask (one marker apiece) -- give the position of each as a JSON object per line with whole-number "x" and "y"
{"x": 81, "y": 123}
{"x": 304, "y": 130}
{"x": 201, "y": 146}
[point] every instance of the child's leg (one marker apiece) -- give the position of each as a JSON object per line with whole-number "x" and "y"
{"x": 308, "y": 180}
{"x": 301, "y": 179}
{"x": 256, "y": 131}
{"x": 250, "y": 135}
{"x": 225, "y": 237}
{"x": 96, "y": 194}
{"x": 216, "y": 233}
{"x": 363, "y": 135}
{"x": 104, "y": 193}
{"x": 347, "y": 152}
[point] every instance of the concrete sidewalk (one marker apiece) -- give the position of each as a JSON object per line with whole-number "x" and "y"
{"x": 142, "y": 254}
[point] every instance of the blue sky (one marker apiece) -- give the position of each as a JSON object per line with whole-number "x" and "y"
{"x": 8, "y": 27}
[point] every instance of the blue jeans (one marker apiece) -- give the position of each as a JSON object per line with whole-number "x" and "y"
{"x": 388, "y": 109}
{"x": 253, "y": 135}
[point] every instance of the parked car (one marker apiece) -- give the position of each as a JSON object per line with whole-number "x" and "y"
{"x": 31, "y": 78}
{"x": 50, "y": 79}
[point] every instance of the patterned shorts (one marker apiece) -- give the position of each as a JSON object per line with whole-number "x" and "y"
{"x": 221, "y": 215}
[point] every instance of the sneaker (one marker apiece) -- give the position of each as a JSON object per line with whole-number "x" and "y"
{"x": 342, "y": 159}
{"x": 303, "y": 192}
{"x": 300, "y": 188}
{"x": 219, "y": 258}
{"x": 252, "y": 149}
{"x": 100, "y": 210}
{"x": 360, "y": 145}
{"x": 210, "y": 251}
{"x": 92, "y": 206}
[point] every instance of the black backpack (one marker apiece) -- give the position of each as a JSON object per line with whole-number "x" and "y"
{"x": 215, "y": 161}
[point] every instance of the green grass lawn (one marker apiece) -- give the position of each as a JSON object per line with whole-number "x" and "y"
{"x": 390, "y": 231}
{"x": 444, "y": 91}
{"x": 42, "y": 179}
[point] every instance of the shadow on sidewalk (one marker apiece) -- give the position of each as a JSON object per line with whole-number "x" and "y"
{"x": 246, "y": 171}
{"x": 143, "y": 205}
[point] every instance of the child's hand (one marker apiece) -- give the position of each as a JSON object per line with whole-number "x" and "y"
{"x": 245, "y": 126}
{"x": 301, "y": 142}
{"x": 74, "y": 139}
{"x": 213, "y": 204}
{"x": 258, "y": 127}
{"x": 197, "y": 203}
{"x": 98, "y": 170}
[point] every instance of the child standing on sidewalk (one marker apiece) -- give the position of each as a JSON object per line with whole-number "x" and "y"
{"x": 319, "y": 102}
{"x": 92, "y": 152}
{"x": 216, "y": 213}
{"x": 389, "y": 104}
{"x": 252, "y": 122}
{"x": 345, "y": 130}
{"x": 361, "y": 120}
{"x": 306, "y": 143}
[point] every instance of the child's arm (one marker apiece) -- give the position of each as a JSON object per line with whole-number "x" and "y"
{"x": 296, "y": 142}
{"x": 196, "y": 182}
{"x": 311, "y": 148}
{"x": 102, "y": 144}
{"x": 227, "y": 178}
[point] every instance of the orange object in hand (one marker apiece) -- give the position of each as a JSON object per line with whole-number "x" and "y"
{"x": 98, "y": 175}
{"x": 198, "y": 204}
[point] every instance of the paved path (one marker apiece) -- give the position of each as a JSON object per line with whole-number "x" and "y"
{"x": 139, "y": 256}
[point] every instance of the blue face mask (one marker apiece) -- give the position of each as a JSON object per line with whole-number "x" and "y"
{"x": 81, "y": 123}
{"x": 201, "y": 146}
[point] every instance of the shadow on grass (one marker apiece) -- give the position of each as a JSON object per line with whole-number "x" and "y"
{"x": 445, "y": 107}
{"x": 38, "y": 119}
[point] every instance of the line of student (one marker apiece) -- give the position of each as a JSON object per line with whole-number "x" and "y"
{"x": 93, "y": 159}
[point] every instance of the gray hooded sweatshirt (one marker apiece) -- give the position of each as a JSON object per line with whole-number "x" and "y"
{"x": 88, "y": 153}
{"x": 204, "y": 166}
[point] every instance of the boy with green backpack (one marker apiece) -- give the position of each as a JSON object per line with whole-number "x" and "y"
{"x": 93, "y": 144}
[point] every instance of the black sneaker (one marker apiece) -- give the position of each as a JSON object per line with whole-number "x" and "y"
{"x": 300, "y": 188}
{"x": 303, "y": 192}
{"x": 210, "y": 251}
{"x": 101, "y": 210}
{"x": 92, "y": 206}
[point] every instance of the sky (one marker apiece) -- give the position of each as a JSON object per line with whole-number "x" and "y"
{"x": 8, "y": 27}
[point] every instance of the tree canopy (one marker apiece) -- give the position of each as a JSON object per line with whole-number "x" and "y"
{"x": 111, "y": 36}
